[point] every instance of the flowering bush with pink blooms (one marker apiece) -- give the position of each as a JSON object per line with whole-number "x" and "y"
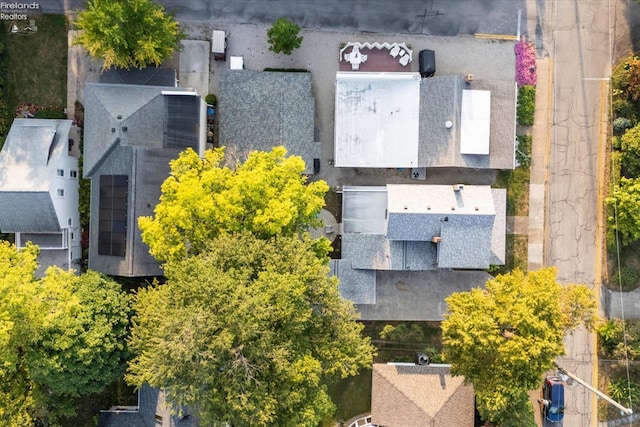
{"x": 525, "y": 63}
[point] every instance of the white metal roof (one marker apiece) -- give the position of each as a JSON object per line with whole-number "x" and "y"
{"x": 377, "y": 119}
{"x": 475, "y": 119}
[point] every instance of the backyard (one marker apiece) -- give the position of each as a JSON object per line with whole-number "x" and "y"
{"x": 38, "y": 63}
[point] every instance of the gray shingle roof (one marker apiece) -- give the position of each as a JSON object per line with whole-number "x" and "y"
{"x": 441, "y": 100}
{"x": 27, "y": 211}
{"x": 127, "y": 115}
{"x": 376, "y": 252}
{"x": 260, "y": 110}
{"x": 27, "y": 165}
{"x": 355, "y": 285}
{"x": 148, "y": 76}
{"x": 470, "y": 223}
{"x": 149, "y": 130}
{"x": 463, "y": 219}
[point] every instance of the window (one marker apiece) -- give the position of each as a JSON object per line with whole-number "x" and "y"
{"x": 60, "y": 192}
{"x": 60, "y": 172}
{"x": 112, "y": 227}
{"x": 73, "y": 174}
{"x": 73, "y": 236}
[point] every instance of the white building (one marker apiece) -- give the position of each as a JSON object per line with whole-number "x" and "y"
{"x": 39, "y": 191}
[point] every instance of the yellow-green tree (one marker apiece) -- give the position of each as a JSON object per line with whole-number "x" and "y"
{"x": 624, "y": 210}
{"x": 504, "y": 337}
{"x": 127, "y": 33}
{"x": 248, "y": 333}
{"x": 267, "y": 195}
{"x": 60, "y": 337}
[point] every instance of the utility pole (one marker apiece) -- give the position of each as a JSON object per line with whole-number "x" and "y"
{"x": 594, "y": 390}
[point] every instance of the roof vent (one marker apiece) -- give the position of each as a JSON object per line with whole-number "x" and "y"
{"x": 453, "y": 208}
{"x": 448, "y": 124}
{"x": 428, "y": 208}
{"x": 468, "y": 78}
{"x": 477, "y": 208}
{"x": 405, "y": 207}
{"x": 458, "y": 187}
{"x": 124, "y": 128}
{"x": 421, "y": 359}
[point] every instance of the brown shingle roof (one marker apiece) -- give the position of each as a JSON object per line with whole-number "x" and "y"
{"x": 420, "y": 396}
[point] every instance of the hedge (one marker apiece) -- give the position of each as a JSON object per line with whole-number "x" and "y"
{"x": 526, "y": 105}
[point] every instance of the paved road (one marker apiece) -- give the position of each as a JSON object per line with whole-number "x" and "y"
{"x": 577, "y": 35}
{"x": 432, "y": 17}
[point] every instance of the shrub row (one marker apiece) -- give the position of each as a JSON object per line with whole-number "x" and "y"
{"x": 523, "y": 151}
{"x": 526, "y": 105}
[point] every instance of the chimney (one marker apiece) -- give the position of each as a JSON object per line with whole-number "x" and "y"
{"x": 468, "y": 78}
{"x": 458, "y": 187}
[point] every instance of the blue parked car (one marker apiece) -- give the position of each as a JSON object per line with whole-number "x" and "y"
{"x": 553, "y": 395}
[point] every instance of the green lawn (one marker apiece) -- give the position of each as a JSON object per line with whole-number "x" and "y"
{"x": 516, "y": 254}
{"x": 38, "y": 63}
{"x": 517, "y": 184}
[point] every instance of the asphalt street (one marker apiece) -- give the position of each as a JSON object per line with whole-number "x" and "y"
{"x": 578, "y": 35}
{"x": 431, "y": 17}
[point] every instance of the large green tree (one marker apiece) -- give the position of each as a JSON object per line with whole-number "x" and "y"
{"x": 127, "y": 33}
{"x": 624, "y": 210}
{"x": 283, "y": 36}
{"x": 504, "y": 337}
{"x": 248, "y": 333}
{"x": 267, "y": 195}
{"x": 62, "y": 337}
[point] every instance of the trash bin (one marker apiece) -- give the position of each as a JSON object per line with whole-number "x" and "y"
{"x": 427, "y": 63}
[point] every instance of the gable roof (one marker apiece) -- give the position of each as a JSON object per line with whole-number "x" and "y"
{"x": 136, "y": 116}
{"x": 407, "y": 395}
{"x": 260, "y": 110}
{"x": 28, "y": 161}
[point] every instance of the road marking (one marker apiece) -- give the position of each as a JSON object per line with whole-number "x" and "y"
{"x": 602, "y": 140}
{"x": 497, "y": 36}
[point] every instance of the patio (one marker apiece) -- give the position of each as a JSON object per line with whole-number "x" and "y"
{"x": 375, "y": 57}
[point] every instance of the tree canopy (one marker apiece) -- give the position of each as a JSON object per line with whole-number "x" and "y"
{"x": 504, "y": 337}
{"x": 247, "y": 333}
{"x": 127, "y": 33}
{"x": 630, "y": 150}
{"x": 283, "y": 36}
{"x": 62, "y": 336}
{"x": 624, "y": 210}
{"x": 267, "y": 195}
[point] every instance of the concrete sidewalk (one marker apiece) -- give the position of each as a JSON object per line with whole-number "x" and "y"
{"x": 539, "y": 166}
